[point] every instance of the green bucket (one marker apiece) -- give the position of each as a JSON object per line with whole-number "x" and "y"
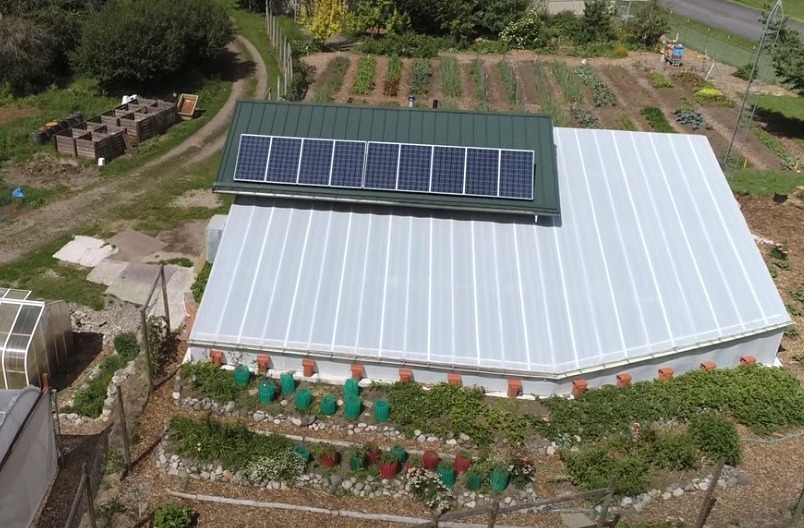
{"x": 499, "y": 480}
{"x": 266, "y": 391}
{"x": 447, "y": 476}
{"x": 287, "y": 383}
{"x": 304, "y": 398}
{"x": 357, "y": 462}
{"x": 242, "y": 376}
{"x": 328, "y": 405}
{"x": 399, "y": 454}
{"x": 473, "y": 481}
{"x": 351, "y": 388}
{"x": 381, "y": 410}
{"x": 353, "y": 407}
{"x": 302, "y": 452}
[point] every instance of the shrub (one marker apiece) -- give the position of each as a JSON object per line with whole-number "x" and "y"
{"x": 234, "y": 446}
{"x": 427, "y": 487}
{"x": 711, "y": 95}
{"x": 88, "y": 400}
{"x": 656, "y": 119}
{"x": 392, "y": 78}
{"x": 364, "y": 78}
{"x": 406, "y": 45}
{"x": 173, "y": 516}
{"x": 716, "y": 436}
{"x": 297, "y": 90}
{"x": 127, "y": 346}
{"x": 669, "y": 450}
{"x": 25, "y": 53}
{"x": 200, "y": 283}
{"x": 526, "y": 32}
{"x": 660, "y": 81}
{"x": 744, "y": 72}
{"x": 211, "y": 381}
{"x": 284, "y": 467}
{"x": 601, "y": 94}
{"x": 593, "y": 467}
{"x": 331, "y": 79}
{"x": 420, "y": 73}
{"x": 128, "y": 41}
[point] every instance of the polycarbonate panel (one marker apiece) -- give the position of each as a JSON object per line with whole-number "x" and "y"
{"x": 635, "y": 266}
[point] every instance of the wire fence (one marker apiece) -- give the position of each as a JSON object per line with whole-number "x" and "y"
{"x": 282, "y": 51}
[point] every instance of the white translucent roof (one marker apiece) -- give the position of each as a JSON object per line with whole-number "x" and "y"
{"x": 651, "y": 254}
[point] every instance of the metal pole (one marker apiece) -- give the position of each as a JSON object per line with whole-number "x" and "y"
{"x": 90, "y": 499}
{"x": 57, "y": 423}
{"x": 165, "y": 295}
{"x": 799, "y": 509}
{"x": 708, "y": 501}
{"x": 122, "y": 411}
{"x": 604, "y": 512}
{"x": 771, "y": 16}
{"x": 493, "y": 515}
{"x": 76, "y": 500}
{"x": 147, "y": 347}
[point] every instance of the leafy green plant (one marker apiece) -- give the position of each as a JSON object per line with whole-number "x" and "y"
{"x": 744, "y": 72}
{"x": 127, "y": 346}
{"x": 689, "y": 117}
{"x": 173, "y": 516}
{"x": 548, "y": 104}
{"x": 406, "y": 45}
{"x": 693, "y": 80}
{"x": 779, "y": 252}
{"x": 713, "y": 96}
{"x": 791, "y": 332}
{"x": 792, "y": 309}
{"x": 427, "y": 487}
{"x": 479, "y": 76}
{"x": 234, "y": 446}
{"x": 568, "y": 82}
{"x": 364, "y": 78}
{"x": 594, "y": 467}
{"x": 601, "y": 93}
{"x": 656, "y": 119}
{"x": 200, "y": 283}
{"x": 210, "y": 381}
{"x": 716, "y": 436}
{"x": 420, "y": 74}
{"x": 450, "y": 77}
{"x": 788, "y": 161}
{"x": 659, "y": 81}
{"x": 331, "y": 79}
{"x": 625, "y": 123}
{"x": 393, "y": 77}
{"x": 584, "y": 117}
{"x": 798, "y": 294}
{"x": 761, "y": 398}
{"x": 509, "y": 81}
{"x": 287, "y": 466}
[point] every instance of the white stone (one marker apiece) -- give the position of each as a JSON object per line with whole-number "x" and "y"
{"x": 678, "y": 492}
{"x": 627, "y": 501}
{"x": 347, "y": 484}
{"x": 362, "y": 425}
{"x": 176, "y": 395}
{"x": 666, "y": 495}
{"x": 471, "y": 504}
{"x": 551, "y": 450}
{"x": 452, "y": 442}
{"x": 417, "y": 432}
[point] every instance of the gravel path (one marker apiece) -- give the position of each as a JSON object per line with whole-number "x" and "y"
{"x": 40, "y": 226}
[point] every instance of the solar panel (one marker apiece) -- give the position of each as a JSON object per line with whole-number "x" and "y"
{"x": 316, "y": 161}
{"x": 482, "y": 171}
{"x": 347, "y": 164}
{"x": 448, "y": 170}
{"x": 283, "y": 160}
{"x": 382, "y": 163}
{"x": 252, "y": 158}
{"x": 516, "y": 174}
{"x": 414, "y": 168}
{"x": 470, "y": 171}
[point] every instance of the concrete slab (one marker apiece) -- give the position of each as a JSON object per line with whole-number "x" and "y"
{"x": 577, "y": 520}
{"x": 107, "y": 271}
{"x": 85, "y": 251}
{"x": 133, "y": 246}
{"x": 134, "y": 283}
{"x": 178, "y": 285}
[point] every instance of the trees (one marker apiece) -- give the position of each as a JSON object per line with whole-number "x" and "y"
{"x": 374, "y": 15}
{"x": 788, "y": 59}
{"x": 131, "y": 42}
{"x": 650, "y": 23}
{"x": 597, "y": 23}
{"x": 24, "y": 53}
{"x": 324, "y": 18}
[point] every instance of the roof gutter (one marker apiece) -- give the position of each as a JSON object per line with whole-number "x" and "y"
{"x": 484, "y": 370}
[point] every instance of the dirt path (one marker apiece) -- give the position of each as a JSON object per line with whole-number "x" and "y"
{"x": 38, "y": 227}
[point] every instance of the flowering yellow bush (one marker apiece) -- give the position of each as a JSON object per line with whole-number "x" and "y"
{"x": 325, "y": 19}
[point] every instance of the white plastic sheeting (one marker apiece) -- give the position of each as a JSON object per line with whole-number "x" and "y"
{"x": 650, "y": 255}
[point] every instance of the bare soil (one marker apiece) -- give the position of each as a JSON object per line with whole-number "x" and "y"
{"x": 527, "y": 84}
{"x": 344, "y": 94}
{"x": 10, "y": 114}
{"x": 46, "y": 171}
{"x": 198, "y": 198}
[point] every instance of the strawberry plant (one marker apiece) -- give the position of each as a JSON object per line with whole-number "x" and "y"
{"x": 420, "y": 74}
{"x": 392, "y": 78}
{"x": 601, "y": 93}
{"x": 364, "y": 78}
{"x": 450, "y": 77}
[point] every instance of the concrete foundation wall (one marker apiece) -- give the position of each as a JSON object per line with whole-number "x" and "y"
{"x": 763, "y": 347}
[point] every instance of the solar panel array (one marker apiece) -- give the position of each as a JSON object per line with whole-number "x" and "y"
{"x": 497, "y": 173}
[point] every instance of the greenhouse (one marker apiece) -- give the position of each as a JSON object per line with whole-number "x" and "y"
{"x": 35, "y": 338}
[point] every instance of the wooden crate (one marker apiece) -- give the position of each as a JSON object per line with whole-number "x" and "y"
{"x": 146, "y": 124}
{"x": 95, "y": 124}
{"x": 65, "y": 140}
{"x": 171, "y": 116}
{"x": 117, "y": 141}
{"x": 111, "y": 120}
{"x": 146, "y": 102}
{"x": 134, "y": 127}
{"x": 94, "y": 145}
{"x": 122, "y": 112}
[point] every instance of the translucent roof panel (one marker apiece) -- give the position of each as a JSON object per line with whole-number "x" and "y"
{"x": 14, "y": 294}
{"x": 644, "y": 260}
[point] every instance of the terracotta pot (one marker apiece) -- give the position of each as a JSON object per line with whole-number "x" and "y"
{"x": 430, "y": 460}
{"x": 357, "y": 371}
{"x": 309, "y": 366}
{"x": 329, "y": 460}
{"x": 388, "y": 470}
{"x": 462, "y": 464}
{"x": 262, "y": 363}
{"x": 217, "y": 357}
{"x": 373, "y": 456}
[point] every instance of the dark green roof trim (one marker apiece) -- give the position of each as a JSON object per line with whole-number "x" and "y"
{"x": 402, "y": 125}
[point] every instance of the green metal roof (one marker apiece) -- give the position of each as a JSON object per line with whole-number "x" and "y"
{"x": 400, "y": 125}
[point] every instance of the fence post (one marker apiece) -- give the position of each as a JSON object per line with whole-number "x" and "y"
{"x": 90, "y": 499}
{"x": 709, "y": 500}
{"x": 436, "y": 519}
{"x": 122, "y": 411}
{"x": 493, "y": 514}
{"x": 147, "y": 344}
{"x": 604, "y": 512}
{"x": 799, "y": 509}
{"x": 165, "y": 296}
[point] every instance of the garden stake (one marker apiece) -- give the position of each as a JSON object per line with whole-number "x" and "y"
{"x": 709, "y": 500}
{"x": 126, "y": 447}
{"x": 799, "y": 508}
{"x": 165, "y": 296}
{"x": 90, "y": 499}
{"x": 604, "y": 512}
{"x": 493, "y": 515}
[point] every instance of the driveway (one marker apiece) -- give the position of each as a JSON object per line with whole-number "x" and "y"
{"x": 722, "y": 14}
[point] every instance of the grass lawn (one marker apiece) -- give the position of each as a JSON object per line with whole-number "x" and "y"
{"x": 784, "y": 116}
{"x": 792, "y": 8}
{"x": 765, "y": 182}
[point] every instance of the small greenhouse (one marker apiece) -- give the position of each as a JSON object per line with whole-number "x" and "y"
{"x": 35, "y": 337}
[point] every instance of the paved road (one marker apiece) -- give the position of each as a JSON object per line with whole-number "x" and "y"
{"x": 722, "y": 14}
